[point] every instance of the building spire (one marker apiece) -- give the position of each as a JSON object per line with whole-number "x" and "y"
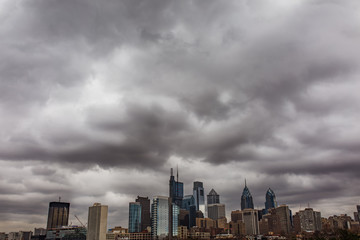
{"x": 177, "y": 172}
{"x": 245, "y": 182}
{"x": 171, "y": 172}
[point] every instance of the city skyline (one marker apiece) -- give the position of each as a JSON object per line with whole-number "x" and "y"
{"x": 99, "y": 100}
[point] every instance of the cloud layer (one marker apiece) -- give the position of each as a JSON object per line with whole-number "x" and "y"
{"x": 98, "y": 100}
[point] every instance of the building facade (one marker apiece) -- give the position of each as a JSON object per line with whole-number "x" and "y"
{"x": 270, "y": 200}
{"x": 97, "y": 222}
{"x": 213, "y": 197}
{"x": 198, "y": 192}
{"x": 250, "y": 218}
{"x": 216, "y": 211}
{"x": 187, "y": 202}
{"x": 134, "y": 217}
{"x": 160, "y": 217}
{"x": 176, "y": 189}
{"x": 145, "y": 212}
{"x": 58, "y": 215}
{"x": 246, "y": 199}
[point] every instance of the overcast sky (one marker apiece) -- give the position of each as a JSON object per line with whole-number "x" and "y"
{"x": 99, "y": 99}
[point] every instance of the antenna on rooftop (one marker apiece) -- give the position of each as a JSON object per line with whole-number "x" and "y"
{"x": 177, "y": 172}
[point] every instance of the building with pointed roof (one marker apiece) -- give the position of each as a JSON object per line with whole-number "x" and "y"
{"x": 270, "y": 200}
{"x": 246, "y": 199}
{"x": 213, "y": 197}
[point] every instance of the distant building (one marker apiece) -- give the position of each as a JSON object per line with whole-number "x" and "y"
{"x": 58, "y": 215}
{"x": 134, "y": 217}
{"x": 236, "y": 215}
{"x": 182, "y": 232}
{"x": 358, "y": 212}
{"x": 250, "y": 218}
{"x": 279, "y": 220}
{"x": 175, "y": 219}
{"x": 188, "y": 201}
{"x": 307, "y": 220}
{"x": 176, "y": 189}
{"x": 97, "y": 222}
{"x": 39, "y": 231}
{"x": 216, "y": 211}
{"x": 205, "y": 223}
{"x": 213, "y": 197}
{"x": 160, "y": 217}
{"x": 246, "y": 199}
{"x": 145, "y": 212}
{"x": 67, "y": 233}
{"x": 198, "y": 192}
{"x": 270, "y": 200}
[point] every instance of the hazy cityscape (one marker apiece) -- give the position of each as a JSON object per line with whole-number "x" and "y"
{"x": 195, "y": 216}
{"x": 199, "y": 119}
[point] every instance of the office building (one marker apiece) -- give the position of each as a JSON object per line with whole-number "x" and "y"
{"x": 97, "y": 222}
{"x": 175, "y": 219}
{"x": 198, "y": 192}
{"x": 250, "y": 218}
{"x": 67, "y": 233}
{"x": 216, "y": 211}
{"x": 176, "y": 189}
{"x": 246, "y": 199}
{"x": 188, "y": 201}
{"x": 134, "y": 217}
{"x": 213, "y": 197}
{"x": 307, "y": 220}
{"x": 145, "y": 212}
{"x": 160, "y": 217}
{"x": 279, "y": 220}
{"x": 58, "y": 215}
{"x": 270, "y": 200}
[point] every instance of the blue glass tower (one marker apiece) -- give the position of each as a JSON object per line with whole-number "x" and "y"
{"x": 246, "y": 199}
{"x": 270, "y": 200}
{"x": 187, "y": 202}
{"x": 134, "y": 217}
{"x": 176, "y": 189}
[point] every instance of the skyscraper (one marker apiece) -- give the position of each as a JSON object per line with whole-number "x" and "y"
{"x": 308, "y": 220}
{"x": 145, "y": 212}
{"x": 198, "y": 192}
{"x": 246, "y": 199}
{"x": 250, "y": 218}
{"x": 97, "y": 222}
{"x": 213, "y": 197}
{"x": 216, "y": 211}
{"x": 160, "y": 217}
{"x": 134, "y": 217}
{"x": 58, "y": 215}
{"x": 176, "y": 189}
{"x": 270, "y": 200}
{"x": 187, "y": 202}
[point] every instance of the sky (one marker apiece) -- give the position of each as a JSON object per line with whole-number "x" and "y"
{"x": 99, "y": 99}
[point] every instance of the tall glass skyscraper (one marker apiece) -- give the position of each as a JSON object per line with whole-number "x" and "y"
{"x": 134, "y": 217}
{"x": 176, "y": 189}
{"x": 160, "y": 217}
{"x": 198, "y": 192}
{"x": 270, "y": 200}
{"x": 213, "y": 197}
{"x": 246, "y": 199}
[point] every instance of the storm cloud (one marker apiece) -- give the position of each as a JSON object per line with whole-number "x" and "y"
{"x": 99, "y": 99}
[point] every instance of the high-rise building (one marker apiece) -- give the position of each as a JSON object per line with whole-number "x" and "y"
{"x": 187, "y": 202}
{"x": 250, "y": 218}
{"x": 134, "y": 217}
{"x": 97, "y": 222}
{"x": 176, "y": 189}
{"x": 213, "y": 197}
{"x": 160, "y": 217}
{"x": 175, "y": 219}
{"x": 280, "y": 220}
{"x": 307, "y": 220}
{"x": 216, "y": 211}
{"x": 58, "y": 215}
{"x": 198, "y": 192}
{"x": 270, "y": 200}
{"x": 145, "y": 212}
{"x": 246, "y": 199}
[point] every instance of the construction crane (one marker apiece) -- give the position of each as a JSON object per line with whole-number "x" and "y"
{"x": 80, "y": 222}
